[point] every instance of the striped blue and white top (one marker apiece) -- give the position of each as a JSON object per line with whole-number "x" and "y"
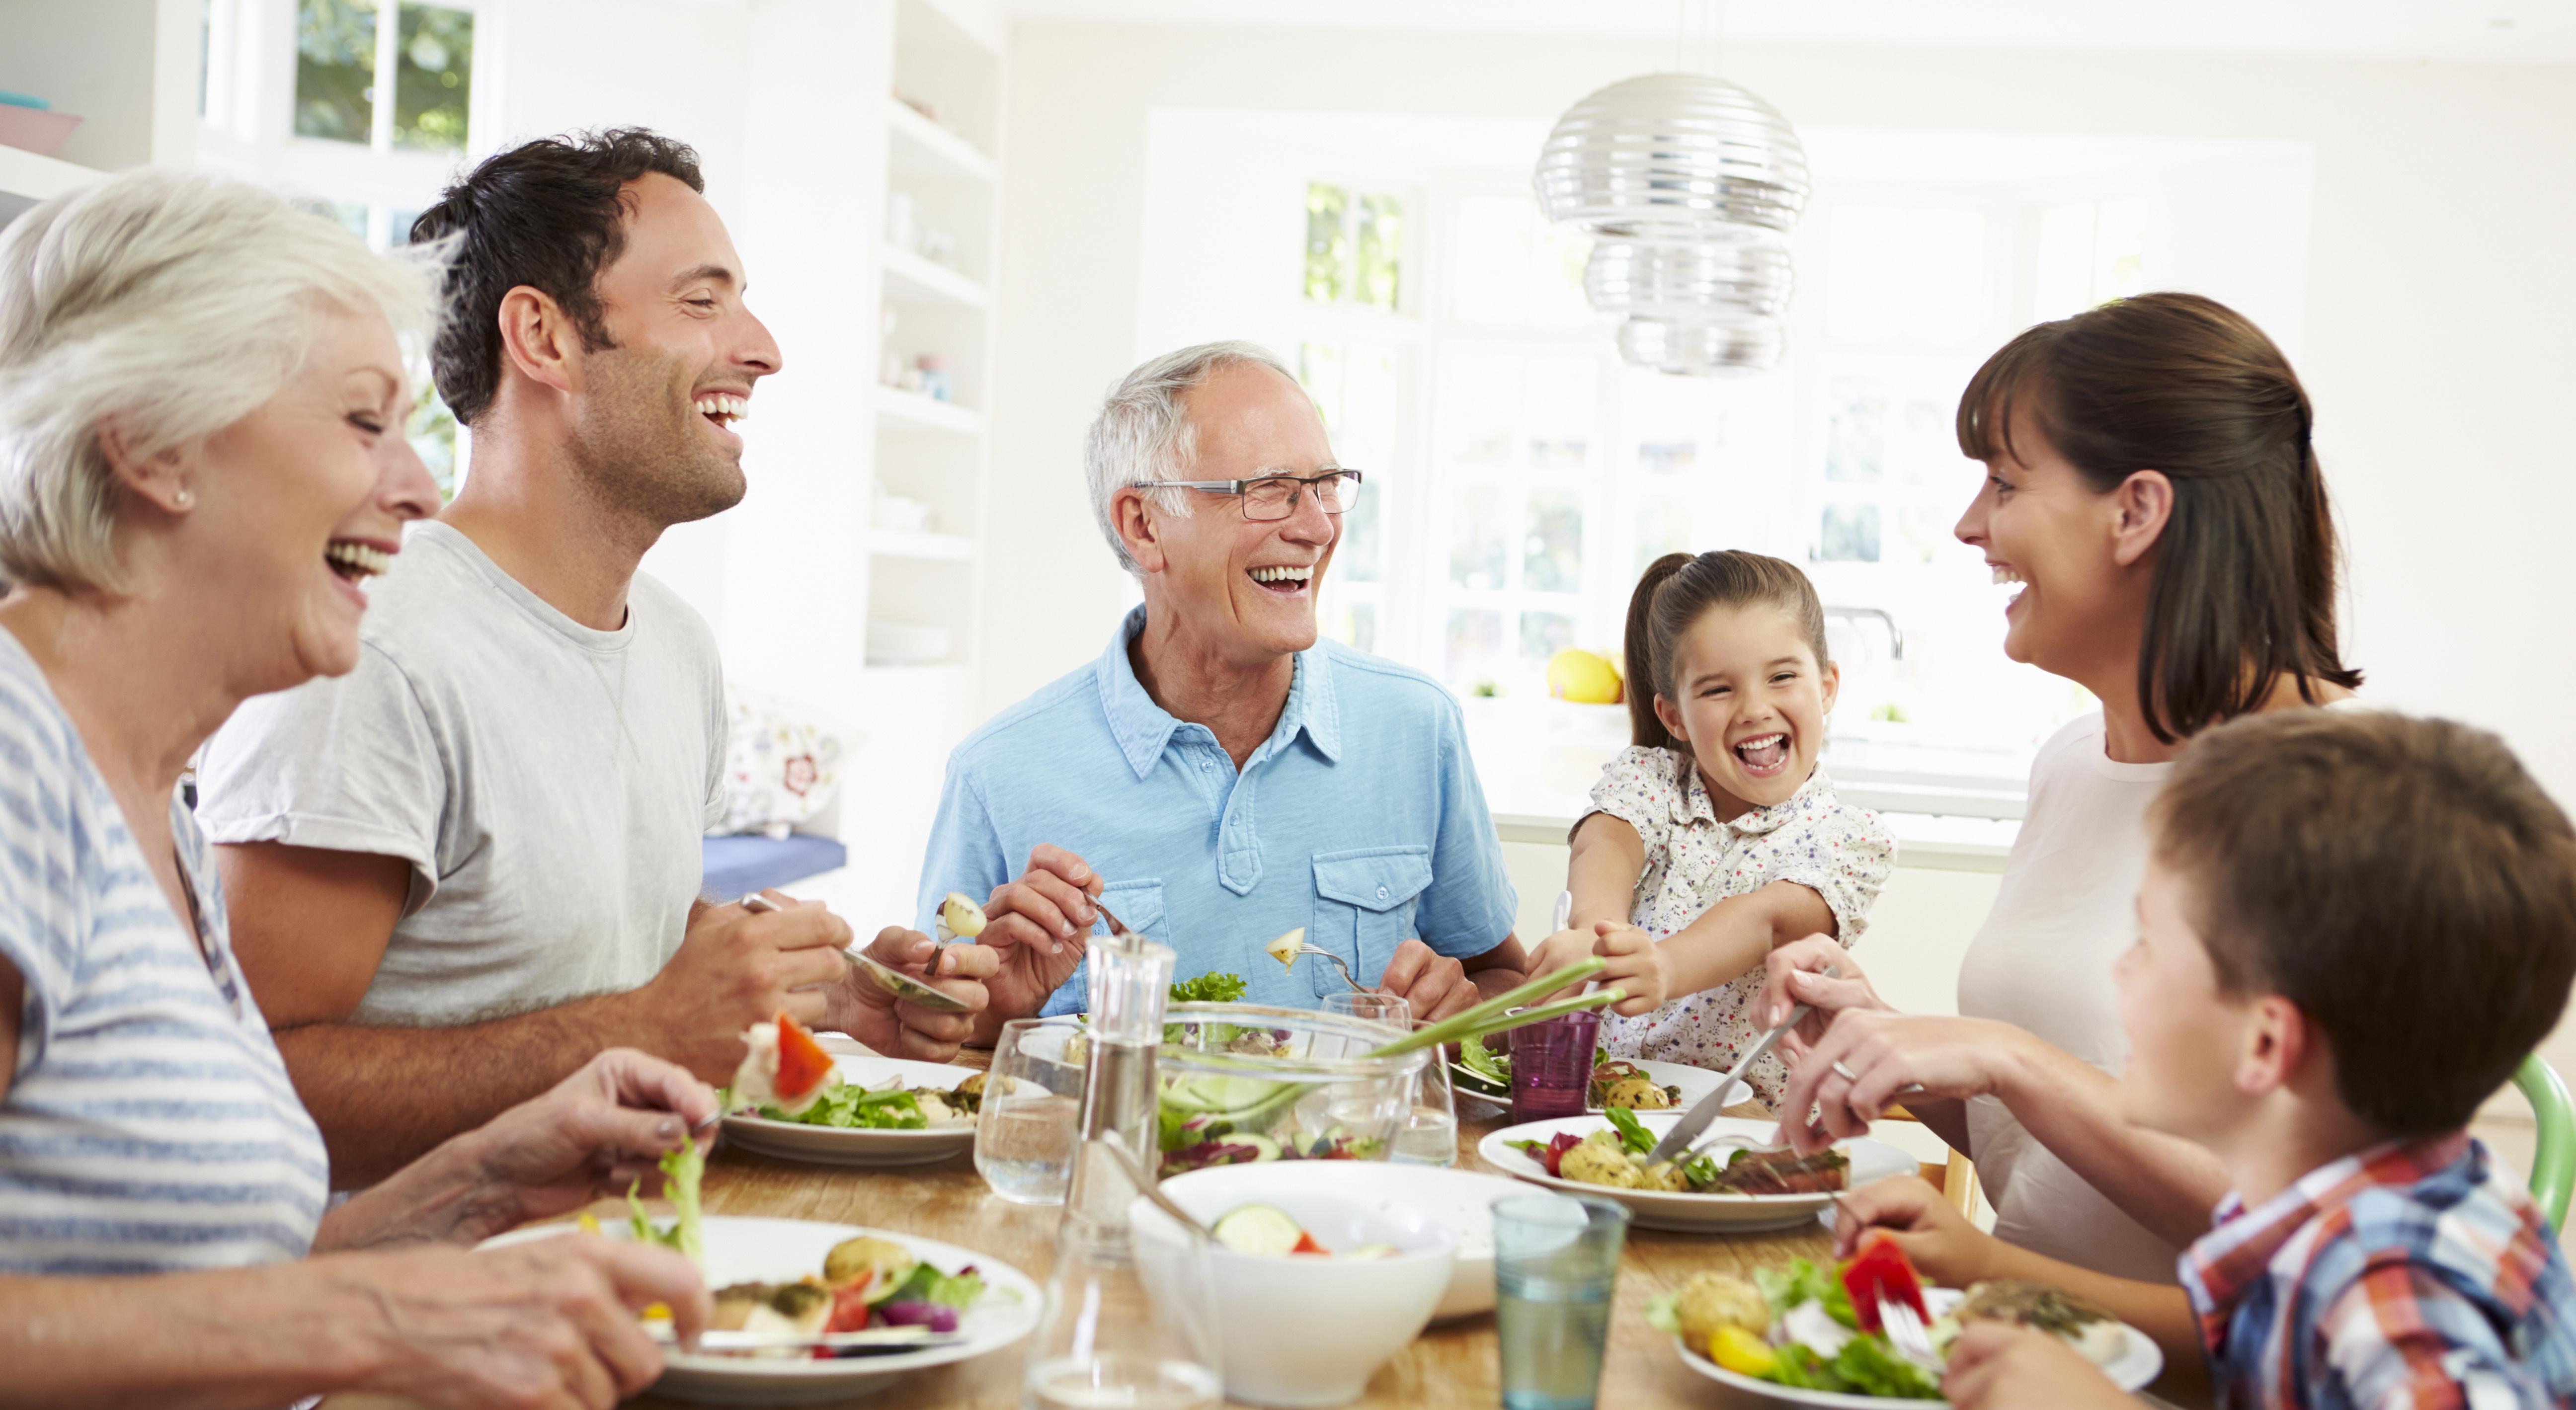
{"x": 150, "y": 1125}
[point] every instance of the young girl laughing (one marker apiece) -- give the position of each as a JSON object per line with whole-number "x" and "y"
{"x": 1714, "y": 836}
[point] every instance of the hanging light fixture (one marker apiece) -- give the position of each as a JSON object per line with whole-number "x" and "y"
{"x": 1690, "y": 186}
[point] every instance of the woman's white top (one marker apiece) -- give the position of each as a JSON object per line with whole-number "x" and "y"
{"x": 149, "y": 1126}
{"x": 1840, "y": 851}
{"x": 2043, "y": 962}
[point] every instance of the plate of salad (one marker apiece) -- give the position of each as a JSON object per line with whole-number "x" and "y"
{"x": 877, "y": 1111}
{"x": 1726, "y": 1189}
{"x": 1485, "y": 1073}
{"x": 1809, "y": 1335}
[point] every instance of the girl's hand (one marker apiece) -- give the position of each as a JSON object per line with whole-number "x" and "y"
{"x": 1631, "y": 964}
{"x": 1634, "y": 963}
{"x": 1996, "y": 1367}
{"x": 1869, "y": 1056}
{"x": 1794, "y": 974}
{"x": 1936, "y": 1238}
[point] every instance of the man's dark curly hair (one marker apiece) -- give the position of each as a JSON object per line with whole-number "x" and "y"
{"x": 544, "y": 214}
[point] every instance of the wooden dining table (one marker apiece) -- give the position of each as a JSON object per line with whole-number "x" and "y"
{"x": 1452, "y": 1366}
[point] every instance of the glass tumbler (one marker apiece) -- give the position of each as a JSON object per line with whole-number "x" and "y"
{"x": 1556, "y": 1270}
{"x": 1552, "y": 1066}
{"x": 1030, "y": 1119}
{"x": 1430, "y": 1134}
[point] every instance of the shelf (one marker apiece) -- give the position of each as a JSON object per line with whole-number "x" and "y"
{"x": 910, "y": 279}
{"x": 924, "y": 148}
{"x": 901, "y": 543}
{"x": 26, "y": 179}
{"x": 912, "y": 408}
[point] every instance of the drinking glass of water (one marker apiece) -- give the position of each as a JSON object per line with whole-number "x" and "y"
{"x": 1556, "y": 1266}
{"x": 1429, "y": 1135}
{"x": 1031, "y": 1116}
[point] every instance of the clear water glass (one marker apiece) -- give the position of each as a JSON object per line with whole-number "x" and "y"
{"x": 1556, "y": 1274}
{"x": 1031, "y": 1116}
{"x": 1552, "y": 1066}
{"x": 1430, "y": 1132}
{"x": 1393, "y": 1010}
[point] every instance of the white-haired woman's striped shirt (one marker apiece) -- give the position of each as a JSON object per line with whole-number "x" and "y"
{"x": 149, "y": 1124}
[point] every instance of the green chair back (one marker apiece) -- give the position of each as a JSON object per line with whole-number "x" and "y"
{"x": 2553, "y": 1158}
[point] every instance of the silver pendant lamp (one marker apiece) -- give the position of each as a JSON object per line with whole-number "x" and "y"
{"x": 1690, "y": 186}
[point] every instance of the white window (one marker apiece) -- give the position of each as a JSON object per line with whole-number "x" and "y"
{"x": 358, "y": 110}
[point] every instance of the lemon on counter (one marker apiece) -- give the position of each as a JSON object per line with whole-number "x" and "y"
{"x": 1583, "y": 677}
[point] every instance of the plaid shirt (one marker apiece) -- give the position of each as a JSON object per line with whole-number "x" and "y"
{"x": 2405, "y": 1277}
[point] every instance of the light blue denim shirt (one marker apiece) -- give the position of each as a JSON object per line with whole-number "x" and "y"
{"x": 1359, "y": 818}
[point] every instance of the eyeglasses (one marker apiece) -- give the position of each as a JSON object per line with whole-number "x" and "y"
{"x": 1273, "y": 496}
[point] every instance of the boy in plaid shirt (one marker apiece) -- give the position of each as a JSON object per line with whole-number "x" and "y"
{"x": 2353, "y": 928}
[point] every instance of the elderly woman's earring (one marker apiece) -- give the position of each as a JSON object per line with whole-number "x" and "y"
{"x": 183, "y": 497}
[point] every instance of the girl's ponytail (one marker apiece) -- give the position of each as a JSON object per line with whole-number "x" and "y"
{"x": 1638, "y": 653}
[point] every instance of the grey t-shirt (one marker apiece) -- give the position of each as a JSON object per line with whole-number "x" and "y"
{"x": 548, "y": 783}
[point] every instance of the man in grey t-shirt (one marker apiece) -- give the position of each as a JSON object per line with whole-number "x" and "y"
{"x": 464, "y": 868}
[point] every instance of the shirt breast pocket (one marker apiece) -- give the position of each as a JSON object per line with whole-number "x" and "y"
{"x": 1364, "y": 904}
{"x": 1140, "y": 904}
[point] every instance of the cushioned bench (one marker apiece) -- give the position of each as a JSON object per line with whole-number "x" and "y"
{"x": 738, "y": 866}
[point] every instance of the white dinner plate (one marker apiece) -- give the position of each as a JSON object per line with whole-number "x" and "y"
{"x": 1461, "y": 1199}
{"x": 2138, "y": 1363}
{"x": 1687, "y": 1213}
{"x": 833, "y": 1145}
{"x": 1694, "y": 1082}
{"x": 784, "y": 1250}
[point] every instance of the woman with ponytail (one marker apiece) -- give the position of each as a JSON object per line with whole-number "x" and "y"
{"x": 1715, "y": 837}
{"x": 2151, "y": 488}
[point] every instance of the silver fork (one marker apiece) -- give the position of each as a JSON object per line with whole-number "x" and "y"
{"x": 1905, "y": 1332}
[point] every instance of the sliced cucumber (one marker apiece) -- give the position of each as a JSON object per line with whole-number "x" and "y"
{"x": 1260, "y": 1229}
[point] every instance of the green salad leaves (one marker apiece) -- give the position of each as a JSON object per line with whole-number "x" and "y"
{"x": 852, "y": 1107}
{"x": 1865, "y": 1365}
{"x": 682, "y": 1169}
{"x": 1209, "y": 989}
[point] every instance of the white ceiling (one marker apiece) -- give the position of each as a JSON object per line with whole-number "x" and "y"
{"x": 2489, "y": 31}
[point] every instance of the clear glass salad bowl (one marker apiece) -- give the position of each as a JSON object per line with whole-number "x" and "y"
{"x": 1247, "y": 1082}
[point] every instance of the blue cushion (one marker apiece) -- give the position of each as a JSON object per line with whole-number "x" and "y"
{"x": 738, "y": 866}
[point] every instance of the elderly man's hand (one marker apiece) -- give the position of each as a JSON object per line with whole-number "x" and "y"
{"x": 1433, "y": 985}
{"x": 1041, "y": 925}
{"x": 901, "y": 1029}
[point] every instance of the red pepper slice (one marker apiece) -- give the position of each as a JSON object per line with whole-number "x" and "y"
{"x": 850, "y": 1311}
{"x": 1306, "y": 1244}
{"x": 1879, "y": 1269}
{"x": 1553, "y": 1157}
{"x": 802, "y": 1063}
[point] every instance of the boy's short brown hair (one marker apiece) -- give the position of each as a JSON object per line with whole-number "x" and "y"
{"x": 2402, "y": 881}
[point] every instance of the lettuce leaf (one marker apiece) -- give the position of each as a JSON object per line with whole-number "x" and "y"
{"x": 682, "y": 1170}
{"x": 1803, "y": 1281}
{"x": 1209, "y": 989}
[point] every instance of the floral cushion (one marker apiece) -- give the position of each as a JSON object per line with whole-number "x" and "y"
{"x": 782, "y": 765}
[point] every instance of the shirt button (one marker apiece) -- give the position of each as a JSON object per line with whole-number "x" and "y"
{"x": 1381, "y": 893}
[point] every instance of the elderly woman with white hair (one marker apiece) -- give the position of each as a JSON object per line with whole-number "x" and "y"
{"x": 201, "y": 462}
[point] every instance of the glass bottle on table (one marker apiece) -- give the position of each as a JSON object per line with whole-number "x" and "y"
{"x": 1106, "y": 1340}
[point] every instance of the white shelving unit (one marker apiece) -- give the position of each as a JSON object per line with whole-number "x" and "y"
{"x": 948, "y": 56}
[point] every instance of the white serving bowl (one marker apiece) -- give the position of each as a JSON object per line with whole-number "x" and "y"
{"x": 1461, "y": 1199}
{"x": 1303, "y": 1333}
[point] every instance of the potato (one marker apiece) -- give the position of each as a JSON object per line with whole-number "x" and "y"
{"x": 853, "y": 1259}
{"x": 1713, "y": 1300}
{"x": 1636, "y": 1094}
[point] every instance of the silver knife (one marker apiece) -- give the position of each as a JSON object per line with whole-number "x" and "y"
{"x": 1705, "y": 1110}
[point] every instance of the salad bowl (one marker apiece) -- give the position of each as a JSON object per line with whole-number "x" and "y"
{"x": 1247, "y": 1083}
{"x": 1684, "y": 1212}
{"x": 1303, "y": 1332}
{"x": 884, "y": 1145}
{"x": 783, "y": 1250}
{"x": 1463, "y": 1200}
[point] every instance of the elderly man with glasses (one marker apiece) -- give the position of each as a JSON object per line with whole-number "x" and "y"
{"x": 1221, "y": 776}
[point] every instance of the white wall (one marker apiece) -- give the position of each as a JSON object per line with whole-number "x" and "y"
{"x": 2434, "y": 340}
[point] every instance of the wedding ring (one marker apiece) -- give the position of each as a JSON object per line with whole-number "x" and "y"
{"x": 1845, "y": 1073}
